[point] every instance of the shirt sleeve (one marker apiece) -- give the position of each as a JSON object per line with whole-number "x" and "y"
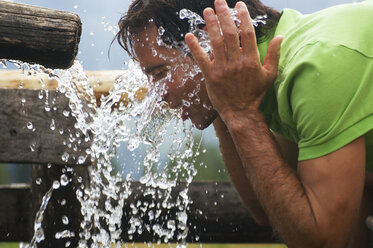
{"x": 331, "y": 97}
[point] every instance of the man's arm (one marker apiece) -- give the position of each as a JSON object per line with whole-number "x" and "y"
{"x": 237, "y": 173}
{"x": 316, "y": 207}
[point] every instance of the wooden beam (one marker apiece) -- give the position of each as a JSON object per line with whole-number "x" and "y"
{"x": 20, "y": 105}
{"x": 16, "y": 214}
{"x": 32, "y": 134}
{"x": 38, "y": 35}
{"x": 101, "y": 81}
{"x": 211, "y": 217}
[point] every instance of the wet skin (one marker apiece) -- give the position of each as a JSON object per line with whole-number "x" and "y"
{"x": 169, "y": 66}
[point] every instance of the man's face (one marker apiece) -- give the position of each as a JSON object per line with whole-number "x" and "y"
{"x": 171, "y": 68}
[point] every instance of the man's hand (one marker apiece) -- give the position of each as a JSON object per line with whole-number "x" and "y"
{"x": 235, "y": 79}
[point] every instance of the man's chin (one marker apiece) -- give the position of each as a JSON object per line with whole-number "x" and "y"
{"x": 203, "y": 122}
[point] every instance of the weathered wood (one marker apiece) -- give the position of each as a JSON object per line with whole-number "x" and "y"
{"x": 211, "y": 217}
{"x": 38, "y": 35}
{"x": 63, "y": 210}
{"x": 26, "y": 133}
{"x": 15, "y": 213}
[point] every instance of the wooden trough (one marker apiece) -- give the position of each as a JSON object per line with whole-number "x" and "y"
{"x": 223, "y": 220}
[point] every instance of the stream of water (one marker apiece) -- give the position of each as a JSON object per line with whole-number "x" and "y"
{"x": 131, "y": 115}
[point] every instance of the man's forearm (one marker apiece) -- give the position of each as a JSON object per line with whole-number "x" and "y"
{"x": 279, "y": 190}
{"x": 237, "y": 173}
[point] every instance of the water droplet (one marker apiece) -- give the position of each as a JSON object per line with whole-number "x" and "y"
{"x": 56, "y": 184}
{"x": 52, "y": 125}
{"x": 38, "y": 181}
{"x": 154, "y": 52}
{"x": 82, "y": 159}
{"x": 65, "y": 157}
{"x": 65, "y": 220}
{"x": 33, "y": 147}
{"x": 161, "y": 31}
{"x": 30, "y": 125}
{"x": 41, "y": 94}
{"x": 64, "y": 180}
{"x": 64, "y": 234}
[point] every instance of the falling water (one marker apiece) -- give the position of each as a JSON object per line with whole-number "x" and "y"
{"x": 38, "y": 229}
{"x": 132, "y": 114}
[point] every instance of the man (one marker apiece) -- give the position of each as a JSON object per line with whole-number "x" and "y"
{"x": 309, "y": 179}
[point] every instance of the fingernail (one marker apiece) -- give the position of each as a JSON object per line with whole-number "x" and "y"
{"x": 241, "y": 5}
{"x": 209, "y": 13}
{"x": 244, "y": 5}
{"x": 220, "y": 5}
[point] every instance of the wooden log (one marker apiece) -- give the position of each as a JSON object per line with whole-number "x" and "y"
{"x": 15, "y": 213}
{"x": 38, "y": 35}
{"x": 211, "y": 217}
{"x": 30, "y": 133}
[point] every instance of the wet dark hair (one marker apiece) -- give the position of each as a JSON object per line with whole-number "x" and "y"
{"x": 165, "y": 13}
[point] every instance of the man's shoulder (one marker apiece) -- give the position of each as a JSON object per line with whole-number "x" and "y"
{"x": 346, "y": 25}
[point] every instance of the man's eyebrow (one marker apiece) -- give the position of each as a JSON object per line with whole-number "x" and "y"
{"x": 148, "y": 70}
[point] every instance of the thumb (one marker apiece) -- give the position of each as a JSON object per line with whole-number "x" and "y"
{"x": 272, "y": 58}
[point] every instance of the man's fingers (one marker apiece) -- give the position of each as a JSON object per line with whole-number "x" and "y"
{"x": 272, "y": 58}
{"x": 229, "y": 29}
{"x": 247, "y": 31}
{"x": 201, "y": 58}
{"x": 216, "y": 40}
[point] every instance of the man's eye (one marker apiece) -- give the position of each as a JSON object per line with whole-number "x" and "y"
{"x": 160, "y": 75}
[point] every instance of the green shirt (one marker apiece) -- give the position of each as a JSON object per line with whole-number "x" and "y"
{"x": 323, "y": 96}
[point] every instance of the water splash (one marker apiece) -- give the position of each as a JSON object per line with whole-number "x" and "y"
{"x": 195, "y": 21}
{"x": 134, "y": 115}
{"x": 38, "y": 229}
